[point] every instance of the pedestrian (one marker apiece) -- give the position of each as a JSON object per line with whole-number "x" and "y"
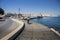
{"x": 28, "y": 21}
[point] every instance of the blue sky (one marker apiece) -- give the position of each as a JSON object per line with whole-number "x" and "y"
{"x": 31, "y": 6}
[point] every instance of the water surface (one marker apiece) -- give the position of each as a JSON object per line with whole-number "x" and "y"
{"x": 53, "y": 22}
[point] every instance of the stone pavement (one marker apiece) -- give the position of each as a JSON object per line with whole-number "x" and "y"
{"x": 37, "y": 31}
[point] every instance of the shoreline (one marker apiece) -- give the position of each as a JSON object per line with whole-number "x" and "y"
{"x": 55, "y": 31}
{"x": 37, "y": 31}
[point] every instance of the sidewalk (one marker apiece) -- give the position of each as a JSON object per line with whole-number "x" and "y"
{"x": 37, "y": 31}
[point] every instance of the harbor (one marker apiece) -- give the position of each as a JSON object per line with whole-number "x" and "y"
{"x": 30, "y": 20}
{"x": 32, "y": 31}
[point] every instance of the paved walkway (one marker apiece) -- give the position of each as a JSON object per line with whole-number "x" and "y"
{"x": 37, "y": 31}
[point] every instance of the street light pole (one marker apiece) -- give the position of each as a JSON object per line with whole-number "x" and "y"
{"x": 19, "y": 13}
{"x": 19, "y": 10}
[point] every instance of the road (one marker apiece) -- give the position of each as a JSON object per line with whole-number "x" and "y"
{"x": 6, "y": 27}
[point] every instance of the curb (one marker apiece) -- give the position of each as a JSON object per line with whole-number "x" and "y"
{"x": 55, "y": 31}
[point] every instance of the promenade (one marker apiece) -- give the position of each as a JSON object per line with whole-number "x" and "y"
{"x": 33, "y": 31}
{"x": 37, "y": 31}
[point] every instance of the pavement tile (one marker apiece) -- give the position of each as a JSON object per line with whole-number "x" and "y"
{"x": 37, "y": 31}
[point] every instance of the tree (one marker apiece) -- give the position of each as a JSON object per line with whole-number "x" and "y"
{"x": 1, "y": 11}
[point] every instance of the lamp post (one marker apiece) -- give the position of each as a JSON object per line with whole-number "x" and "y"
{"x": 19, "y": 10}
{"x": 18, "y": 13}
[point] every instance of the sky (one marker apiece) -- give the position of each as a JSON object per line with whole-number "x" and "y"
{"x": 31, "y": 6}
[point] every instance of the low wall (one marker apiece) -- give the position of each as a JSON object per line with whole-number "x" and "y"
{"x": 55, "y": 31}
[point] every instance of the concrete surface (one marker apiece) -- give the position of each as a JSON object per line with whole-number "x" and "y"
{"x": 37, "y": 31}
{"x": 9, "y": 27}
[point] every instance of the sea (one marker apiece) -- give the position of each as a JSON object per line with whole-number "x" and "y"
{"x": 53, "y": 22}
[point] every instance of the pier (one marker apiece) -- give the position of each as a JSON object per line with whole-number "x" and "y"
{"x": 37, "y": 31}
